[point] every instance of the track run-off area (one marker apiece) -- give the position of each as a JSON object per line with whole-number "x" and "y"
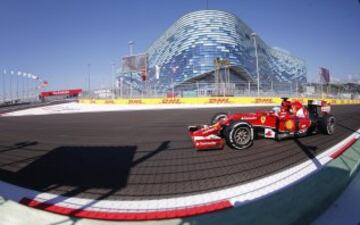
{"x": 144, "y": 155}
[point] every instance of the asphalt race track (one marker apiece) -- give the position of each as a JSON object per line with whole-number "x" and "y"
{"x": 142, "y": 154}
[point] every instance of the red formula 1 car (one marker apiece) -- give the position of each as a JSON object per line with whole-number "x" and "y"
{"x": 239, "y": 130}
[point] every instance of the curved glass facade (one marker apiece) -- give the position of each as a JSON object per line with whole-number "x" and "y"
{"x": 188, "y": 49}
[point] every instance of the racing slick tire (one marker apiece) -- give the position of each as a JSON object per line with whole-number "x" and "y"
{"x": 217, "y": 117}
{"x": 327, "y": 124}
{"x": 239, "y": 135}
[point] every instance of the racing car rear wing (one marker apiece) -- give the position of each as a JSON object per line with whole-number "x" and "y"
{"x": 319, "y": 106}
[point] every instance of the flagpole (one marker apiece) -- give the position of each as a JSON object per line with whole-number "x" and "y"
{"x": 17, "y": 84}
{"x": 3, "y": 83}
{"x": 11, "y": 90}
{"x": 23, "y": 79}
{"x": 28, "y": 87}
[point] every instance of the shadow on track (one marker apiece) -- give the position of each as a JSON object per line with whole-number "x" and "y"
{"x": 309, "y": 151}
{"x": 83, "y": 168}
{"x": 79, "y": 166}
{"x": 19, "y": 145}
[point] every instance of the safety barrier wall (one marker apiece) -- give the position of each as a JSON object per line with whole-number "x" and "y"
{"x": 213, "y": 100}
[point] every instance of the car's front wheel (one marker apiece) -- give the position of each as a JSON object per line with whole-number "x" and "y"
{"x": 239, "y": 135}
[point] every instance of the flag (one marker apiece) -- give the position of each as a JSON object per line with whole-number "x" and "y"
{"x": 324, "y": 75}
{"x": 45, "y": 83}
{"x": 143, "y": 73}
{"x": 157, "y": 72}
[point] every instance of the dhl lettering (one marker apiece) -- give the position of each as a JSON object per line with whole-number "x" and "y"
{"x": 219, "y": 100}
{"x": 109, "y": 102}
{"x": 264, "y": 100}
{"x": 135, "y": 101}
{"x": 92, "y": 101}
{"x": 171, "y": 101}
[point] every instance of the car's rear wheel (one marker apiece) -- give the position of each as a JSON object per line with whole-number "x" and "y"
{"x": 239, "y": 135}
{"x": 327, "y": 124}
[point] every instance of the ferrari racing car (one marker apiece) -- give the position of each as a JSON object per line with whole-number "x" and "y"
{"x": 291, "y": 120}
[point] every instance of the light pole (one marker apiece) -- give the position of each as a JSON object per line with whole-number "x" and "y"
{"x": 11, "y": 86}
{"x": 17, "y": 84}
{"x": 121, "y": 86}
{"x": 23, "y": 79}
{"x": 89, "y": 81}
{"x": 4, "y": 86}
{"x": 257, "y": 63}
{"x": 113, "y": 76}
{"x": 131, "y": 46}
{"x": 28, "y": 89}
{"x": 173, "y": 70}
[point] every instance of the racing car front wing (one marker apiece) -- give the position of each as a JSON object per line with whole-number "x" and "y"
{"x": 204, "y": 137}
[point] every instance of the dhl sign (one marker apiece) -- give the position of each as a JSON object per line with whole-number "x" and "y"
{"x": 264, "y": 101}
{"x": 204, "y": 101}
{"x": 171, "y": 101}
{"x": 219, "y": 100}
{"x": 135, "y": 101}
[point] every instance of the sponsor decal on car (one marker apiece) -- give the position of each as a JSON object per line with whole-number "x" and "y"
{"x": 289, "y": 124}
{"x": 249, "y": 118}
{"x": 269, "y": 133}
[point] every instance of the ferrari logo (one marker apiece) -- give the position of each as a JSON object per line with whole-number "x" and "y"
{"x": 263, "y": 119}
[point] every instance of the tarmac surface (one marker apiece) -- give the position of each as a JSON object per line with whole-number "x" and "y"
{"x": 138, "y": 155}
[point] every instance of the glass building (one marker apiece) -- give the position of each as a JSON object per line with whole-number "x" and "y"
{"x": 187, "y": 50}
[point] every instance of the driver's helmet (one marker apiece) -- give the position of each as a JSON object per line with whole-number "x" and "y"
{"x": 285, "y": 106}
{"x": 297, "y": 108}
{"x": 296, "y": 105}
